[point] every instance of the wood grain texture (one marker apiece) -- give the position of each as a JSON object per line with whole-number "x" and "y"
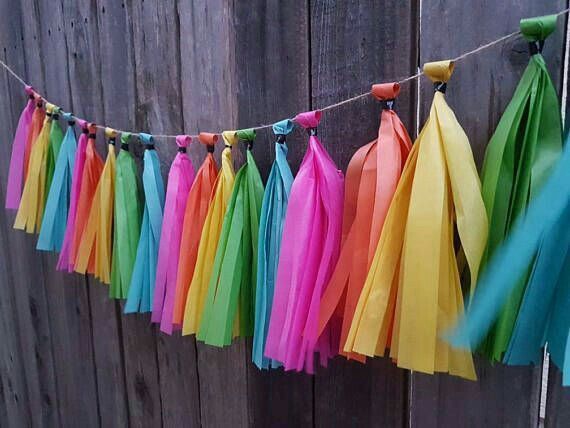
{"x": 85, "y": 59}
{"x": 15, "y": 401}
{"x": 68, "y": 305}
{"x": 479, "y": 90}
{"x": 68, "y": 353}
{"x": 354, "y": 44}
{"x": 272, "y": 69}
{"x": 156, "y": 41}
{"x": 29, "y": 286}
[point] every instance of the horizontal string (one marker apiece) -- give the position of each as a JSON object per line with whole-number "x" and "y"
{"x": 325, "y": 108}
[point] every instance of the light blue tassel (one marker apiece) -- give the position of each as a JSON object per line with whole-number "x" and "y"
{"x": 540, "y": 239}
{"x": 271, "y": 222}
{"x": 57, "y": 203}
{"x": 141, "y": 290}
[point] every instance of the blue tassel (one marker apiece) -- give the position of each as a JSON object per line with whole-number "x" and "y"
{"x": 271, "y": 222}
{"x": 141, "y": 290}
{"x": 57, "y": 204}
{"x": 541, "y": 240}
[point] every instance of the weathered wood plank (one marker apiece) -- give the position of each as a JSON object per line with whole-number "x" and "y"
{"x": 31, "y": 304}
{"x": 15, "y": 407}
{"x": 141, "y": 397}
{"x": 70, "y": 323}
{"x": 503, "y": 396}
{"x": 157, "y": 38}
{"x": 85, "y": 59}
{"x": 354, "y": 44}
{"x": 272, "y": 70}
{"x": 209, "y": 85}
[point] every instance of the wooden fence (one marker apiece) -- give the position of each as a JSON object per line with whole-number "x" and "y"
{"x": 68, "y": 357}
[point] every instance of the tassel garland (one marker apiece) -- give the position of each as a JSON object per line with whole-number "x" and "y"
{"x": 57, "y": 205}
{"x": 94, "y": 252}
{"x": 272, "y": 218}
{"x": 197, "y": 206}
{"x": 16, "y": 170}
{"x": 230, "y": 300}
{"x": 31, "y": 209}
{"x": 141, "y": 290}
{"x": 89, "y": 182}
{"x": 371, "y": 180}
{"x": 210, "y": 237}
{"x": 519, "y": 158}
{"x": 309, "y": 251}
{"x": 180, "y": 178}
{"x": 127, "y": 226}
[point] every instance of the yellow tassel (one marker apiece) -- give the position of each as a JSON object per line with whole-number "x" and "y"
{"x": 412, "y": 293}
{"x": 209, "y": 238}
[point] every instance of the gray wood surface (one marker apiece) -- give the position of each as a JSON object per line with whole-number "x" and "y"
{"x": 70, "y": 357}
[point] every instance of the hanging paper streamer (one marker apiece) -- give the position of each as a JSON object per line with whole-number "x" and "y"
{"x": 94, "y": 251}
{"x": 55, "y": 215}
{"x": 16, "y": 171}
{"x": 542, "y": 232}
{"x": 55, "y": 141}
{"x": 141, "y": 289}
{"x": 412, "y": 292}
{"x": 38, "y": 119}
{"x": 230, "y": 301}
{"x": 271, "y": 222}
{"x": 194, "y": 218}
{"x": 91, "y": 174}
{"x": 309, "y": 251}
{"x": 180, "y": 178}
{"x": 66, "y": 261}
{"x": 519, "y": 158}
{"x": 371, "y": 180}
{"x": 128, "y": 211}
{"x": 210, "y": 237}
{"x": 31, "y": 209}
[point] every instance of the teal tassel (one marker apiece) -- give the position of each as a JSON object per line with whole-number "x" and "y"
{"x": 141, "y": 290}
{"x": 57, "y": 204}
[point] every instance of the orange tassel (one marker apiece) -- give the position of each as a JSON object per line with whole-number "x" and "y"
{"x": 91, "y": 174}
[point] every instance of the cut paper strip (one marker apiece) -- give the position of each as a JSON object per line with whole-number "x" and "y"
{"x": 55, "y": 141}
{"x": 65, "y": 261}
{"x": 128, "y": 213}
{"x": 57, "y": 205}
{"x": 542, "y": 233}
{"x": 230, "y": 301}
{"x": 94, "y": 251}
{"x": 141, "y": 290}
{"x": 31, "y": 209}
{"x": 210, "y": 237}
{"x": 519, "y": 158}
{"x": 16, "y": 170}
{"x": 197, "y": 206}
{"x": 412, "y": 293}
{"x": 272, "y": 219}
{"x": 309, "y": 252}
{"x": 92, "y": 170}
{"x": 38, "y": 119}
{"x": 180, "y": 178}
{"x": 371, "y": 180}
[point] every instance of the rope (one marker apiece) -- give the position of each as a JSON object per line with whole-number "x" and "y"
{"x": 330, "y": 106}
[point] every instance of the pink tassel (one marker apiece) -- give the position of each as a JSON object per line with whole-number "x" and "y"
{"x": 309, "y": 251}
{"x": 64, "y": 262}
{"x": 180, "y": 180}
{"x": 16, "y": 172}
